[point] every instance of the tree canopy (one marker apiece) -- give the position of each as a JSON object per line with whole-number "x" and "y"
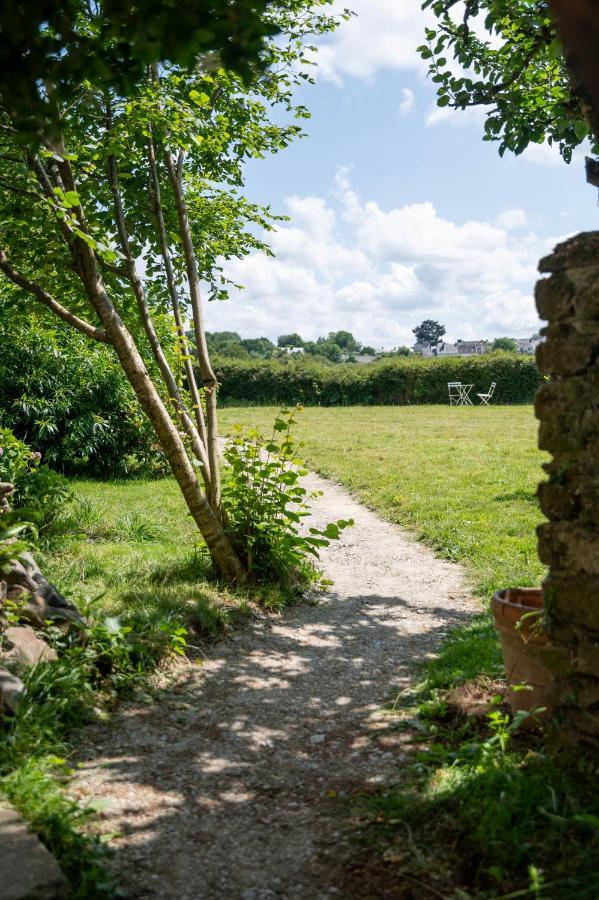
{"x": 113, "y": 217}
{"x": 505, "y": 343}
{"x": 429, "y": 332}
{"x": 510, "y": 61}
{"x": 47, "y": 49}
{"x": 290, "y": 340}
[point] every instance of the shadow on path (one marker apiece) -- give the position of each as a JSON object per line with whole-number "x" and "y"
{"x": 230, "y": 786}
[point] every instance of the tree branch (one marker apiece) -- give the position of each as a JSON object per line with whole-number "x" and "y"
{"x": 209, "y": 381}
{"x": 144, "y": 312}
{"x": 174, "y": 294}
{"x": 44, "y": 297}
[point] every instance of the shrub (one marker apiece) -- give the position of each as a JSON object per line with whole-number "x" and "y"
{"x": 266, "y": 502}
{"x": 38, "y": 490}
{"x": 390, "y": 382}
{"x": 69, "y": 398}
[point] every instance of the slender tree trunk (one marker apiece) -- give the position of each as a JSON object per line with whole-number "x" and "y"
{"x": 174, "y": 294}
{"x": 154, "y": 341}
{"x": 221, "y": 550}
{"x": 209, "y": 381}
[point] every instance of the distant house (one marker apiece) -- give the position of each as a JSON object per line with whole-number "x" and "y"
{"x": 529, "y": 345}
{"x": 460, "y": 348}
{"x": 472, "y": 348}
{"x": 294, "y": 351}
{"x": 423, "y": 348}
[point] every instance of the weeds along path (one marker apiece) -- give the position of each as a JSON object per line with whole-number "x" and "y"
{"x": 230, "y": 787}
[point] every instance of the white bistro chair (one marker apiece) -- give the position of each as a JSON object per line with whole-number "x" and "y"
{"x": 455, "y": 393}
{"x": 484, "y": 398}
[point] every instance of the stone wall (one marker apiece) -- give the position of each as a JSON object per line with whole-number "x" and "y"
{"x": 567, "y": 406}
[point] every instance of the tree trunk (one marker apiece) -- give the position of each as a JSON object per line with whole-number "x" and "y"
{"x": 577, "y": 23}
{"x": 568, "y": 408}
{"x": 209, "y": 381}
{"x": 221, "y": 550}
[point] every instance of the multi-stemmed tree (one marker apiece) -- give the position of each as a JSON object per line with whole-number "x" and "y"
{"x": 126, "y": 206}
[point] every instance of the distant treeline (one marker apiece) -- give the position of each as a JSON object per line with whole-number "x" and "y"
{"x": 337, "y": 347}
{"x": 400, "y": 381}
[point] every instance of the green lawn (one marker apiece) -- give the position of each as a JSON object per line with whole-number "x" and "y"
{"x": 130, "y": 548}
{"x": 463, "y": 479}
{"x": 479, "y": 813}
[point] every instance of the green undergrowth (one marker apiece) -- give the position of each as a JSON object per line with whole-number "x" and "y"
{"x": 128, "y": 555}
{"x": 463, "y": 479}
{"x": 483, "y": 808}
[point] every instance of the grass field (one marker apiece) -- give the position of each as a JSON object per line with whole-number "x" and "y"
{"x": 463, "y": 479}
{"x": 482, "y": 813}
{"x": 131, "y": 548}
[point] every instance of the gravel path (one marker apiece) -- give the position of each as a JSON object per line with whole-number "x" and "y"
{"x": 228, "y": 789}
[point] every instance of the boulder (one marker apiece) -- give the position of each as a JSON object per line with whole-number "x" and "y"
{"x": 11, "y": 689}
{"x": 22, "y": 647}
{"x": 40, "y": 600}
{"x": 6, "y": 489}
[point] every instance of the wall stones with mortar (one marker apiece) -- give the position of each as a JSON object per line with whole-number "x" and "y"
{"x": 567, "y": 406}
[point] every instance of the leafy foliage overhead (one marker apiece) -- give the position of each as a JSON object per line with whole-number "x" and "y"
{"x": 47, "y": 44}
{"x": 510, "y": 61}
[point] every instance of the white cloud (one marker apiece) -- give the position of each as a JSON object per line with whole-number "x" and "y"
{"x": 377, "y": 272}
{"x": 310, "y": 240}
{"x": 407, "y": 104}
{"x": 512, "y": 218}
{"x": 543, "y": 154}
{"x": 447, "y": 115}
{"x": 384, "y": 34}
{"x": 548, "y": 154}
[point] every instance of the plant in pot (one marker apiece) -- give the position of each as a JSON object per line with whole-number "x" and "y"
{"x": 518, "y": 616}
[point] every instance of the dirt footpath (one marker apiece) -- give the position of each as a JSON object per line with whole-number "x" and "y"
{"x": 231, "y": 786}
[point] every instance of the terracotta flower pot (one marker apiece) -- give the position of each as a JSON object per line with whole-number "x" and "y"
{"x": 518, "y": 618}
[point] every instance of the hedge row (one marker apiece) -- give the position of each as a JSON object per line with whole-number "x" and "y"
{"x": 394, "y": 382}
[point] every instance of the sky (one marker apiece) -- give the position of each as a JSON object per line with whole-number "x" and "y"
{"x": 398, "y": 210}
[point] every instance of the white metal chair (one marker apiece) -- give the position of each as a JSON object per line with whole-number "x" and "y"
{"x": 484, "y": 398}
{"x": 455, "y": 392}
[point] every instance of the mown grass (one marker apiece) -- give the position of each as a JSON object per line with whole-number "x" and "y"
{"x": 483, "y": 811}
{"x": 130, "y": 548}
{"x": 130, "y": 558}
{"x": 462, "y": 478}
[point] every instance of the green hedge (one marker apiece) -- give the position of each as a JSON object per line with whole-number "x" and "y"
{"x": 396, "y": 382}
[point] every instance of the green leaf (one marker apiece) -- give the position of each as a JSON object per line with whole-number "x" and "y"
{"x": 199, "y": 98}
{"x": 71, "y": 198}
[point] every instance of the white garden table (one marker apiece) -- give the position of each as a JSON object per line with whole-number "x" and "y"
{"x": 465, "y": 394}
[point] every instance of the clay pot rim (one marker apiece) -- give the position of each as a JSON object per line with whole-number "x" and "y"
{"x": 503, "y": 598}
{"x": 507, "y": 613}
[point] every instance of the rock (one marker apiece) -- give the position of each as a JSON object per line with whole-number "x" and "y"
{"x": 25, "y": 648}
{"x": 6, "y": 490}
{"x": 318, "y": 739}
{"x": 11, "y": 689}
{"x": 29, "y": 871}
{"x": 41, "y": 601}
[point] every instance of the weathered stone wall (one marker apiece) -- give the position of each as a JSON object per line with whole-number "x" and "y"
{"x": 568, "y": 408}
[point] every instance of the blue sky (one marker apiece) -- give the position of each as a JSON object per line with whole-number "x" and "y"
{"x": 399, "y": 211}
